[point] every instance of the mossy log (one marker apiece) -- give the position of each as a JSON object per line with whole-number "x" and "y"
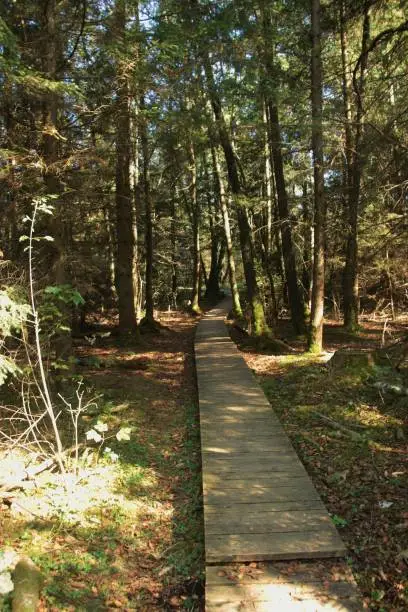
{"x": 28, "y": 581}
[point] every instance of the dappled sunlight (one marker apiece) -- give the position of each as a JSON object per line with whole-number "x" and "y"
{"x": 283, "y": 586}
{"x": 125, "y": 532}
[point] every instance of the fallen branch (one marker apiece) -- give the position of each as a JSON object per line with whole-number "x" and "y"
{"x": 354, "y": 434}
{"x": 387, "y": 387}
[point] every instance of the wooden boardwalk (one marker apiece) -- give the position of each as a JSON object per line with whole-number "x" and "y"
{"x": 259, "y": 502}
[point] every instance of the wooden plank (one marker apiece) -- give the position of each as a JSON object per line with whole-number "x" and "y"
{"x": 238, "y": 447}
{"x": 274, "y": 592}
{"x": 220, "y": 497}
{"x": 328, "y": 605}
{"x": 280, "y": 572}
{"x": 260, "y": 547}
{"x": 266, "y": 522}
{"x": 256, "y": 508}
{"x": 274, "y": 462}
{"x": 259, "y": 482}
{"x": 236, "y": 480}
{"x": 240, "y": 425}
{"x": 274, "y": 459}
{"x": 239, "y": 420}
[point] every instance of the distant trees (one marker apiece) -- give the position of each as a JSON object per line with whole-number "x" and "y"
{"x": 184, "y": 151}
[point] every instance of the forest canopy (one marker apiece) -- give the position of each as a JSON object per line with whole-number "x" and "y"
{"x": 186, "y": 145}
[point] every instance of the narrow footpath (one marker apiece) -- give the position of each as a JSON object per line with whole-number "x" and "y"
{"x": 259, "y": 502}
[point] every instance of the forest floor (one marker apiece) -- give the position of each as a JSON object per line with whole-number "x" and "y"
{"x": 129, "y": 535}
{"x": 361, "y": 474}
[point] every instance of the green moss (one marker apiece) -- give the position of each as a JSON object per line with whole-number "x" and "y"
{"x": 260, "y": 325}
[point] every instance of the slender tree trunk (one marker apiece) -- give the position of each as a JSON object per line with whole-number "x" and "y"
{"x": 268, "y": 241}
{"x": 315, "y": 337}
{"x": 212, "y": 284}
{"x": 258, "y": 315}
{"x": 350, "y": 277}
{"x": 195, "y": 222}
{"x": 307, "y": 219}
{"x": 295, "y": 298}
{"x": 174, "y": 263}
{"x": 124, "y": 204}
{"x": 149, "y": 307}
{"x": 60, "y": 273}
{"x": 274, "y": 136}
{"x": 237, "y": 310}
{"x": 110, "y": 229}
{"x": 136, "y": 190}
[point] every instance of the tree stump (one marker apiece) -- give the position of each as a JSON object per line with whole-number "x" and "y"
{"x": 351, "y": 359}
{"x": 27, "y": 586}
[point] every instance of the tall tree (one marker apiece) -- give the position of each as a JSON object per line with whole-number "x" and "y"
{"x": 355, "y": 162}
{"x": 123, "y": 194}
{"x": 315, "y": 339}
{"x": 236, "y": 304}
{"x": 275, "y": 140}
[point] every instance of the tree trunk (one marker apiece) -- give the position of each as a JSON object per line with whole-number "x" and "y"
{"x": 237, "y": 310}
{"x": 212, "y": 284}
{"x": 195, "y": 222}
{"x": 174, "y": 262}
{"x": 247, "y": 250}
{"x": 350, "y": 278}
{"x": 136, "y": 190}
{"x": 268, "y": 234}
{"x": 60, "y": 273}
{"x": 149, "y": 307}
{"x": 315, "y": 338}
{"x": 274, "y": 136}
{"x": 308, "y": 242}
{"x": 289, "y": 259}
{"x": 124, "y": 205}
{"x": 111, "y": 248}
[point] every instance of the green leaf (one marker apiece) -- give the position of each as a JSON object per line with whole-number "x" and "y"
{"x": 339, "y": 521}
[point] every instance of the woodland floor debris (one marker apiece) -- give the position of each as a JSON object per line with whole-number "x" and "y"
{"x": 130, "y": 536}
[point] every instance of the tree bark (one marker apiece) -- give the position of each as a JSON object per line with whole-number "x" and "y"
{"x": 149, "y": 254}
{"x": 315, "y": 337}
{"x": 60, "y": 273}
{"x": 274, "y": 135}
{"x": 212, "y": 290}
{"x": 355, "y": 168}
{"x": 124, "y": 205}
{"x": 268, "y": 234}
{"x": 195, "y": 223}
{"x": 237, "y": 310}
{"x": 308, "y": 242}
{"x": 174, "y": 262}
{"x": 247, "y": 250}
